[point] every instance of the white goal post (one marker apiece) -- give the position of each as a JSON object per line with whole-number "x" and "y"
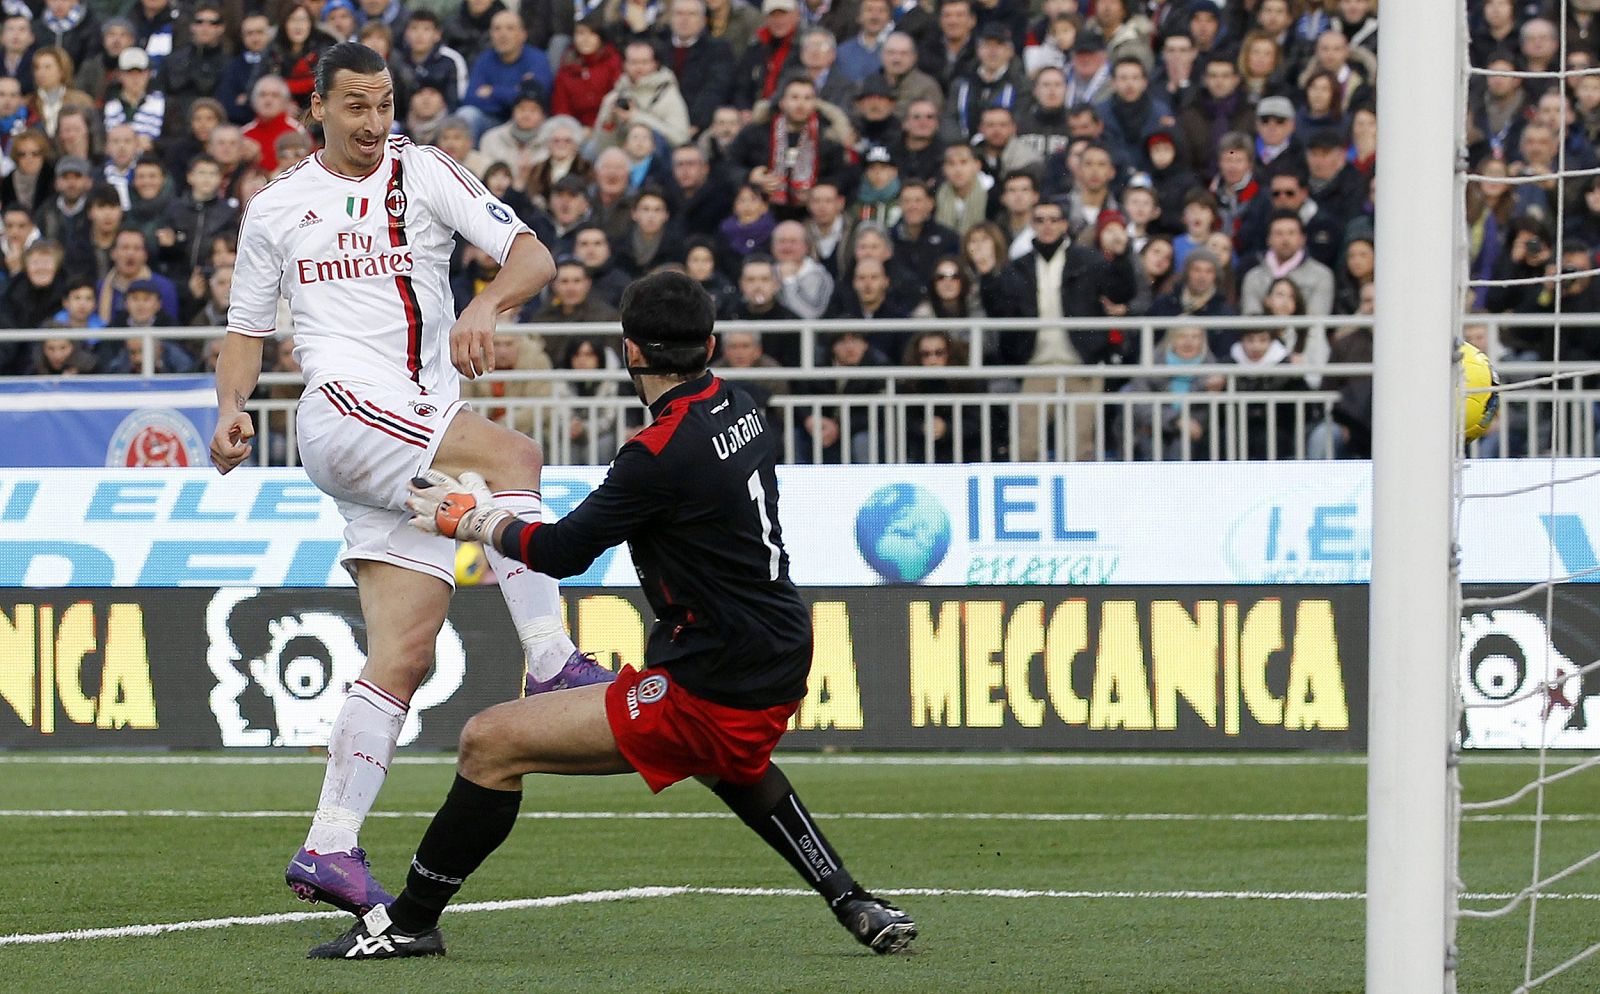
{"x": 1414, "y": 627}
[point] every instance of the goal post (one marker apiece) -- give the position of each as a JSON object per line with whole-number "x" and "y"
{"x": 1414, "y": 629}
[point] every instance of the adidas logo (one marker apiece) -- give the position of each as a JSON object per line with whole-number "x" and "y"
{"x": 310, "y": 219}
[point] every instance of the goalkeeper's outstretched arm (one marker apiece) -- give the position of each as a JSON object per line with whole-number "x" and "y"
{"x": 622, "y": 505}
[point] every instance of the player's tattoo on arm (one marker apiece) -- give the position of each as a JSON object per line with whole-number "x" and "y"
{"x": 239, "y": 400}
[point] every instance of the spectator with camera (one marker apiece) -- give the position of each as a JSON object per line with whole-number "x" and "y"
{"x": 645, "y": 94}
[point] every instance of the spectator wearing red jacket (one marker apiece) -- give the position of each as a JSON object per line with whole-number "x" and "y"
{"x": 589, "y": 69}
{"x": 270, "y": 100}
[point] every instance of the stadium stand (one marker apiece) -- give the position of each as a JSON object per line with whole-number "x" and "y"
{"x": 1105, "y": 159}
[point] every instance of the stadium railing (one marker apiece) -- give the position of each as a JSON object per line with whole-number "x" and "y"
{"x": 986, "y": 417}
{"x": 974, "y": 332}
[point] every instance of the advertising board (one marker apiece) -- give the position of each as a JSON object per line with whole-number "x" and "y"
{"x": 893, "y": 667}
{"x": 997, "y": 525}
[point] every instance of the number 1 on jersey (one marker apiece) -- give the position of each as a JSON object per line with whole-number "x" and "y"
{"x": 758, "y": 494}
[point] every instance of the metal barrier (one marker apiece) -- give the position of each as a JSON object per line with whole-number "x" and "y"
{"x": 974, "y": 332}
{"x": 980, "y": 412}
{"x": 885, "y": 428}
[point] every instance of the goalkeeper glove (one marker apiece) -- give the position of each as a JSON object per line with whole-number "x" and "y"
{"x": 460, "y": 509}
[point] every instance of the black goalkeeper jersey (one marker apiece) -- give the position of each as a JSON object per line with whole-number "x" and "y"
{"x": 695, "y": 496}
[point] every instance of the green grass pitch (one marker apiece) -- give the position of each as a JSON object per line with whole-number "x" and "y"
{"x": 1112, "y": 919}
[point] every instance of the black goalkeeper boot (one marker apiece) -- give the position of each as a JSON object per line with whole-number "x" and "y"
{"x": 879, "y": 925}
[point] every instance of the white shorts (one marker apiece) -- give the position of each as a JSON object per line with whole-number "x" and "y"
{"x": 361, "y": 445}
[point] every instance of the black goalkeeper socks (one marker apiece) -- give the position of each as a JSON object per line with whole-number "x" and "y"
{"x": 470, "y": 825}
{"x": 771, "y": 808}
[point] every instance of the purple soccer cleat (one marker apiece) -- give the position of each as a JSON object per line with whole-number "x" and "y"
{"x": 580, "y": 670}
{"x": 341, "y": 879}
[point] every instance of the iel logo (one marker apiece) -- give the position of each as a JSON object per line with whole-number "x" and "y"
{"x": 903, "y": 532}
{"x": 498, "y": 213}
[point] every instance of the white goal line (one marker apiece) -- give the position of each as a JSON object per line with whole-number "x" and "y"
{"x": 1000, "y": 816}
{"x": 642, "y": 893}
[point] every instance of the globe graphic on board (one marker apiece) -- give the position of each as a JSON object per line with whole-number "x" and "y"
{"x": 903, "y": 532}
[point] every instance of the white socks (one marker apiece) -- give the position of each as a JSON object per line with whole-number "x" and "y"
{"x": 359, "y": 751}
{"x": 533, "y": 599}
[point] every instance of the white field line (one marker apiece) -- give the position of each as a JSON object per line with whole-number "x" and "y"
{"x": 979, "y": 816}
{"x": 641, "y": 893}
{"x": 807, "y": 759}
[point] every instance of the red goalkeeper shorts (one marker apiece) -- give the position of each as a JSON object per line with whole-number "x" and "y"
{"x": 669, "y": 734}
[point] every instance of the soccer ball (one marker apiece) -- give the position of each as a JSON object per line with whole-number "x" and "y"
{"x": 1480, "y": 409}
{"x": 471, "y": 564}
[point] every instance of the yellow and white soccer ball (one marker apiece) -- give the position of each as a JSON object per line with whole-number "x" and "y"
{"x": 1480, "y": 409}
{"x": 471, "y": 564}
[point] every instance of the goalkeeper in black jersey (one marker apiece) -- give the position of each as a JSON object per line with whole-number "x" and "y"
{"x": 695, "y": 497}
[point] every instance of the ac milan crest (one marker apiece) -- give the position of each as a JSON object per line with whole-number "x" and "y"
{"x": 395, "y": 203}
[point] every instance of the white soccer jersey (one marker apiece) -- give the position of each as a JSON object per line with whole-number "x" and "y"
{"x": 365, "y": 265}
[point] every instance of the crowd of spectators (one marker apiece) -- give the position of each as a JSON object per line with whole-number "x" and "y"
{"x": 803, "y": 158}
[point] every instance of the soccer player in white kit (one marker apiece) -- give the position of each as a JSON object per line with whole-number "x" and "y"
{"x": 358, "y": 239}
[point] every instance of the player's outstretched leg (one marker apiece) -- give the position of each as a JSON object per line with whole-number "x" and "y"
{"x": 512, "y": 463}
{"x": 534, "y": 601}
{"x": 771, "y": 808}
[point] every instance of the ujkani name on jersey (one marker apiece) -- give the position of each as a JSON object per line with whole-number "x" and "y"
{"x": 737, "y": 435}
{"x": 350, "y": 266}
